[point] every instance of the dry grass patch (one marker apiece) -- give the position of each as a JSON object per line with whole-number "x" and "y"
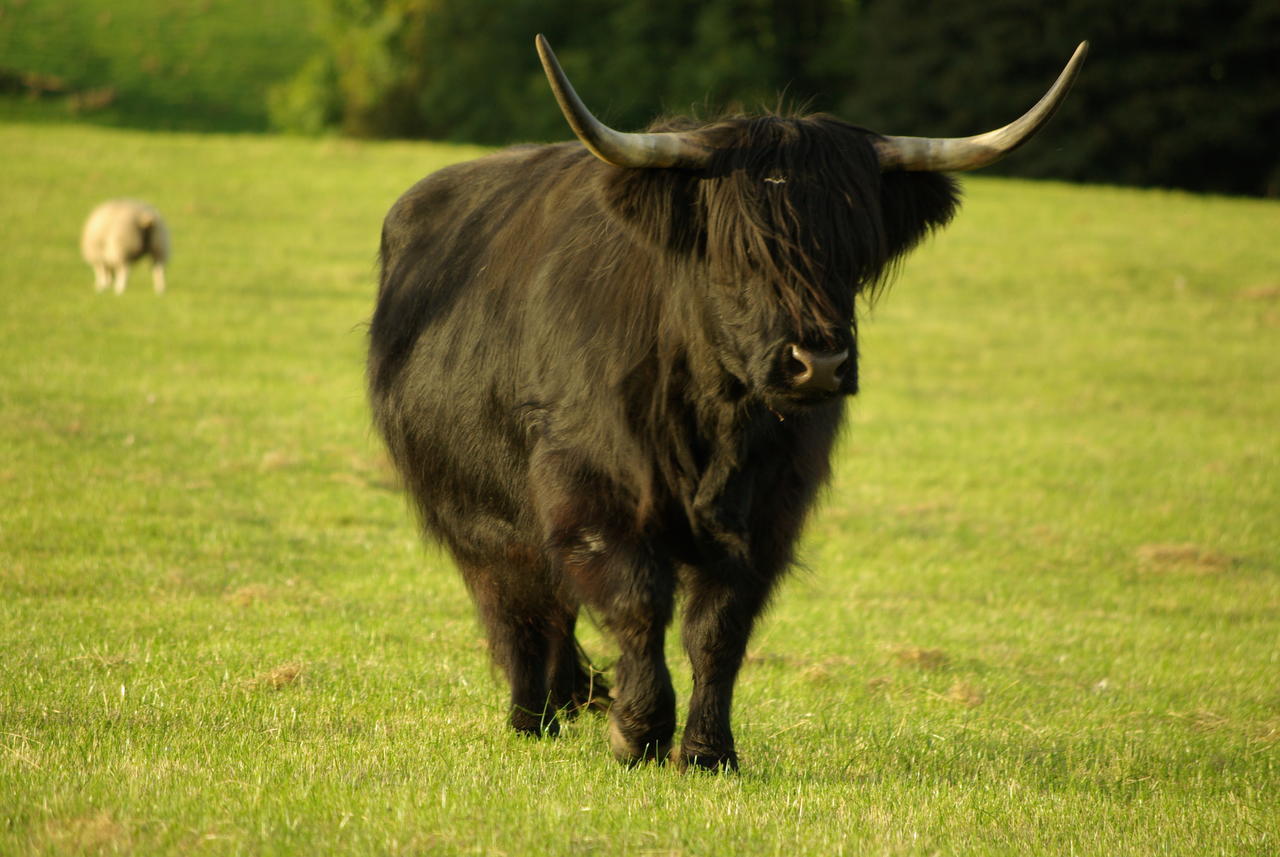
{"x": 23, "y": 752}
{"x": 968, "y": 695}
{"x": 275, "y": 679}
{"x": 250, "y": 594}
{"x": 1202, "y": 720}
{"x": 1182, "y": 557}
{"x": 917, "y": 510}
{"x": 1268, "y": 292}
{"x": 91, "y": 834}
{"x": 1268, "y": 733}
{"x": 1264, "y": 732}
{"x": 929, "y": 660}
{"x": 100, "y": 659}
{"x": 825, "y": 668}
{"x": 277, "y": 459}
{"x": 373, "y": 470}
{"x": 809, "y": 669}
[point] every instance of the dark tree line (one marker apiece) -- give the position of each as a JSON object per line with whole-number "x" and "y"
{"x": 1176, "y": 93}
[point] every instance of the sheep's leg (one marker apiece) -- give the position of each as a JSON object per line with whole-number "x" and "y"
{"x": 101, "y": 279}
{"x": 157, "y": 277}
{"x": 122, "y": 275}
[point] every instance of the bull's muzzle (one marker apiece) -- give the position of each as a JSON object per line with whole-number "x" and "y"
{"x": 815, "y": 371}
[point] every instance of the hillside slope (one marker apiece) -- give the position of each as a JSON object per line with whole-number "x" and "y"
{"x": 176, "y": 64}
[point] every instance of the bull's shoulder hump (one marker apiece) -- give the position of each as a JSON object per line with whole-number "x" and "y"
{"x": 501, "y": 178}
{"x": 523, "y": 164}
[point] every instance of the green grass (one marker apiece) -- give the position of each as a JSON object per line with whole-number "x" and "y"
{"x": 174, "y": 64}
{"x": 1040, "y": 611}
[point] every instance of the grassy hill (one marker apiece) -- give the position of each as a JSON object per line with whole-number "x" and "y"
{"x": 188, "y": 64}
{"x": 1039, "y": 613}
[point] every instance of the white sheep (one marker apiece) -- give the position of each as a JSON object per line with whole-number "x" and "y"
{"x": 118, "y": 233}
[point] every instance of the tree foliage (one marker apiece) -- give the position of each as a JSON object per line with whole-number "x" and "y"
{"x": 466, "y": 69}
{"x": 1180, "y": 93}
{"x": 1175, "y": 93}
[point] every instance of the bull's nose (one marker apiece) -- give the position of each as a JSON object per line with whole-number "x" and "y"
{"x": 814, "y": 371}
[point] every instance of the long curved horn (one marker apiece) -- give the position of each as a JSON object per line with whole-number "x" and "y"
{"x": 670, "y": 149}
{"x": 939, "y": 154}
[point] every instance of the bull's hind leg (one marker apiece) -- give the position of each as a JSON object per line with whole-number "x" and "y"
{"x": 524, "y": 623}
{"x": 574, "y": 684}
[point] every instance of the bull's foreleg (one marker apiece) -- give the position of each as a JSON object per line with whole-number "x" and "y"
{"x": 718, "y": 617}
{"x": 627, "y": 586}
{"x": 642, "y": 719}
{"x": 634, "y": 596}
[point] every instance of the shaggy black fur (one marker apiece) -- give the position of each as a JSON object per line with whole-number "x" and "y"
{"x": 580, "y": 372}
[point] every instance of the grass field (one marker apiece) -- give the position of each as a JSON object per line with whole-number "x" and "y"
{"x": 170, "y": 64}
{"x": 1040, "y": 613}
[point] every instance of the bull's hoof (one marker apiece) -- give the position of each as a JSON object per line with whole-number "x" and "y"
{"x": 534, "y": 724}
{"x": 635, "y": 751}
{"x": 702, "y": 759}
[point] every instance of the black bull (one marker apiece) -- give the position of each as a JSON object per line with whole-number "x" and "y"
{"x": 614, "y": 370}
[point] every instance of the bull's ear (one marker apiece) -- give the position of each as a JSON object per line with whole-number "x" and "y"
{"x": 913, "y": 205}
{"x": 658, "y": 207}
